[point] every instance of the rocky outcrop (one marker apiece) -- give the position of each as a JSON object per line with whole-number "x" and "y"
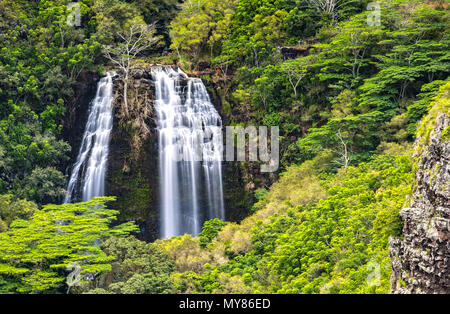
{"x": 421, "y": 260}
{"x": 132, "y": 167}
{"x": 293, "y": 52}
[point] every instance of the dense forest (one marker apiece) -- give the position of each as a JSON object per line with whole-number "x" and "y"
{"x": 358, "y": 89}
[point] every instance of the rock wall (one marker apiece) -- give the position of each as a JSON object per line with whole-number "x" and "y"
{"x": 421, "y": 260}
{"x": 133, "y": 168}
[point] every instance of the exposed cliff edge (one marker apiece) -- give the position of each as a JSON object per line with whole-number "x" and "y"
{"x": 420, "y": 261}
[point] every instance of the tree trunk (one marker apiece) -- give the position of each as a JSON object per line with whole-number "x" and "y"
{"x": 125, "y": 96}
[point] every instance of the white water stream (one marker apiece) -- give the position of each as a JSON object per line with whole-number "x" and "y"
{"x": 88, "y": 174}
{"x": 190, "y": 153}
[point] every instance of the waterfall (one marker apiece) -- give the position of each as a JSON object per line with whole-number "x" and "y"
{"x": 190, "y": 153}
{"x": 88, "y": 174}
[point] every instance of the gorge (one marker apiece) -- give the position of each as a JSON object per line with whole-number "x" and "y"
{"x": 111, "y": 116}
{"x": 190, "y": 151}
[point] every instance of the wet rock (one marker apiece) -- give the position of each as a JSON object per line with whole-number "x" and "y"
{"x": 77, "y": 110}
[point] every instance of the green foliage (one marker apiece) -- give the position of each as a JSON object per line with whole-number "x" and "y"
{"x": 112, "y": 17}
{"x": 36, "y": 252}
{"x": 351, "y": 138}
{"x": 421, "y": 106}
{"x": 439, "y": 105}
{"x": 187, "y": 253}
{"x": 345, "y": 59}
{"x": 137, "y": 268}
{"x": 25, "y": 146}
{"x": 43, "y": 186}
{"x": 411, "y": 58}
{"x": 210, "y": 230}
{"x": 11, "y": 210}
{"x": 334, "y": 245}
{"x": 42, "y": 58}
{"x": 258, "y": 26}
{"x": 201, "y": 24}
{"x": 342, "y": 234}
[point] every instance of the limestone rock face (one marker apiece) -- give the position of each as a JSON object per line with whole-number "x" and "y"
{"x": 421, "y": 260}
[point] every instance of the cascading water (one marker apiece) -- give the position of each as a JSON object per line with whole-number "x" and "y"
{"x": 190, "y": 153}
{"x": 88, "y": 174}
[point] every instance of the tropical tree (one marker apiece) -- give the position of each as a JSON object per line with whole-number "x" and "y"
{"x": 36, "y": 252}
{"x": 137, "y": 268}
{"x": 200, "y": 24}
{"x": 296, "y": 70}
{"x": 135, "y": 40}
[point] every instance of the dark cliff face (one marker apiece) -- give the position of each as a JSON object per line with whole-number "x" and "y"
{"x": 132, "y": 163}
{"x": 421, "y": 260}
{"x": 77, "y": 113}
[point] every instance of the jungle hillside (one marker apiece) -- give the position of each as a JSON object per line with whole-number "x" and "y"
{"x": 359, "y": 91}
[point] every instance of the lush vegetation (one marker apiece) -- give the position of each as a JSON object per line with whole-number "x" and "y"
{"x": 350, "y": 97}
{"x": 331, "y": 243}
{"x": 348, "y": 105}
{"x": 37, "y": 251}
{"x": 42, "y": 57}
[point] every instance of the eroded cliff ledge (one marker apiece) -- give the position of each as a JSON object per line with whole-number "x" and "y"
{"x": 420, "y": 261}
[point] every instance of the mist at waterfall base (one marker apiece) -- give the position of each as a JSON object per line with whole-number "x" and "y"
{"x": 188, "y": 126}
{"x": 87, "y": 178}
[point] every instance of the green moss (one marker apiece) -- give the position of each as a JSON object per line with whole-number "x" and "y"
{"x": 446, "y": 134}
{"x": 440, "y": 105}
{"x": 136, "y": 196}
